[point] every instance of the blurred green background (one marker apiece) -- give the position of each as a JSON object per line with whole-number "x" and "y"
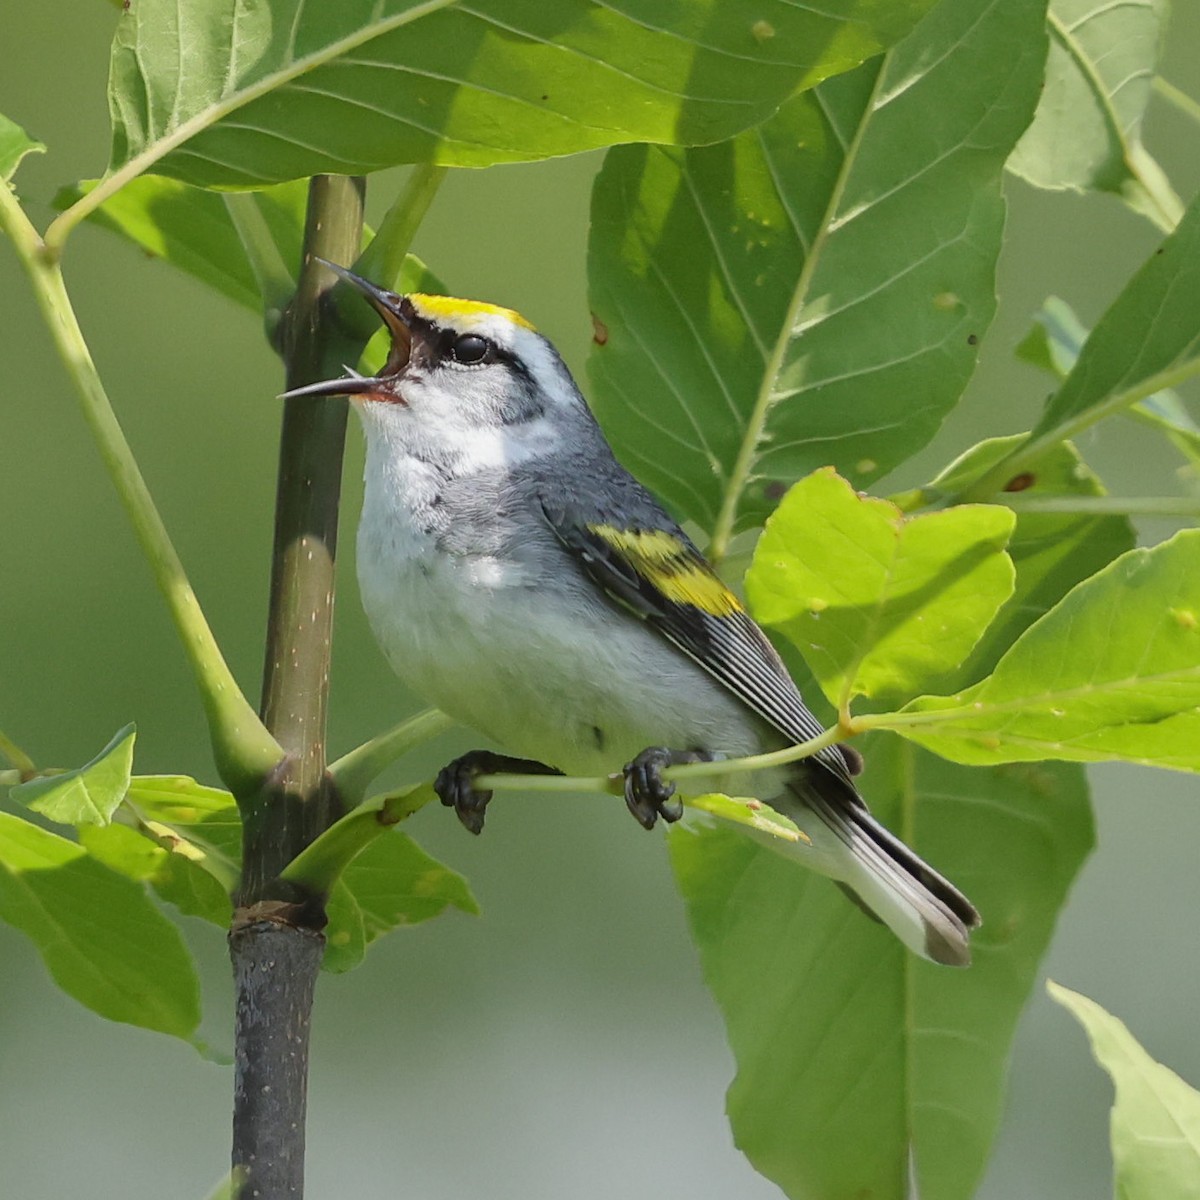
{"x": 562, "y": 1044}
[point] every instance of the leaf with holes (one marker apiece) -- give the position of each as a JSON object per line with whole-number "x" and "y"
{"x": 1086, "y": 134}
{"x": 858, "y": 1063}
{"x": 811, "y": 292}
{"x": 278, "y": 90}
{"x": 878, "y": 603}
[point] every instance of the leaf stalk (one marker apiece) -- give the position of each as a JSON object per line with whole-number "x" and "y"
{"x": 243, "y": 749}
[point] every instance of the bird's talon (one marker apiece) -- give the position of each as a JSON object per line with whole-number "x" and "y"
{"x": 455, "y": 787}
{"x": 455, "y": 782}
{"x": 647, "y": 794}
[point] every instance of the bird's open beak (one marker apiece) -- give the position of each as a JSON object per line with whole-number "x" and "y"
{"x": 387, "y": 305}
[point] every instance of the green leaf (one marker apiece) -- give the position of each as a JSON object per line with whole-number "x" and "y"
{"x": 1054, "y": 343}
{"x": 88, "y": 795}
{"x": 275, "y": 91}
{"x": 811, "y": 292}
{"x": 878, "y": 604}
{"x": 175, "y": 876}
{"x": 1086, "y": 134}
{"x": 747, "y": 813}
{"x": 192, "y": 229}
{"x": 1148, "y": 340}
{"x": 99, "y": 934}
{"x": 852, "y": 1053}
{"x": 1155, "y": 1122}
{"x": 15, "y": 143}
{"x": 203, "y": 820}
{"x": 1111, "y": 672}
{"x": 392, "y": 883}
{"x": 1051, "y": 552}
{"x": 1055, "y": 339}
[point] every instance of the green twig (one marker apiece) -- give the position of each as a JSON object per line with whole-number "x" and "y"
{"x": 1096, "y": 506}
{"x": 17, "y": 757}
{"x": 503, "y": 782}
{"x": 684, "y": 773}
{"x": 383, "y": 258}
{"x": 1179, "y": 100}
{"x": 353, "y": 773}
{"x": 317, "y": 867}
{"x": 244, "y": 751}
{"x": 989, "y": 486}
{"x": 275, "y": 282}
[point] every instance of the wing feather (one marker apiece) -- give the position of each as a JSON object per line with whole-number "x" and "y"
{"x": 660, "y": 576}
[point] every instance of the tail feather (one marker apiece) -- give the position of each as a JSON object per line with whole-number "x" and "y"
{"x": 924, "y": 910}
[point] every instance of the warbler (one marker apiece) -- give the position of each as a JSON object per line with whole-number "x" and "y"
{"x": 519, "y": 578}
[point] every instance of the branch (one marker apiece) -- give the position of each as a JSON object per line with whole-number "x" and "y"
{"x": 275, "y": 971}
{"x": 1177, "y": 98}
{"x": 276, "y": 945}
{"x": 301, "y": 802}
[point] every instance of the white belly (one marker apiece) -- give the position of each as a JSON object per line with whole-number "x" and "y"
{"x": 571, "y": 682}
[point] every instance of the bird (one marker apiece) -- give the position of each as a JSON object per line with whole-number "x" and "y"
{"x": 519, "y": 578}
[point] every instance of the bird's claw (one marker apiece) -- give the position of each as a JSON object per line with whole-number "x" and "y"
{"x": 455, "y": 782}
{"x": 648, "y": 795}
{"x": 455, "y": 787}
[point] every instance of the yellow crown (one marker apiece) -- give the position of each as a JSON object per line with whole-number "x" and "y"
{"x": 461, "y": 312}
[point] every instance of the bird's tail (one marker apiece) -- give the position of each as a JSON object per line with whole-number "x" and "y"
{"x": 923, "y": 909}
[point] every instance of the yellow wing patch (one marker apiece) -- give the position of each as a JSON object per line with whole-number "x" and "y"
{"x": 672, "y": 568}
{"x": 462, "y": 312}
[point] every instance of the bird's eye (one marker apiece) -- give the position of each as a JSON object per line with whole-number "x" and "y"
{"x": 470, "y": 348}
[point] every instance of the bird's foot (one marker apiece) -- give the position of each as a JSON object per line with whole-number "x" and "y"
{"x": 455, "y": 782}
{"x": 647, "y": 793}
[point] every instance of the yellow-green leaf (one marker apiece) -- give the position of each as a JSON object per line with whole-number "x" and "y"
{"x": 15, "y": 143}
{"x": 1111, "y": 672}
{"x": 1155, "y": 1123}
{"x": 878, "y": 603}
{"x": 99, "y": 934}
{"x": 88, "y": 795}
